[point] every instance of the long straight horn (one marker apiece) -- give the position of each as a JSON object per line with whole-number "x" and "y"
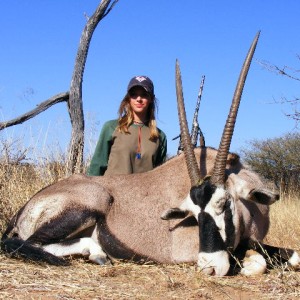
{"x": 193, "y": 170}
{"x": 218, "y": 176}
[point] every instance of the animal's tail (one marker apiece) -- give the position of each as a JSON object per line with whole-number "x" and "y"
{"x": 17, "y": 248}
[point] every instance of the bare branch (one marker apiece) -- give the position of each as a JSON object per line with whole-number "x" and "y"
{"x": 281, "y": 71}
{"x": 40, "y": 108}
{"x": 290, "y": 73}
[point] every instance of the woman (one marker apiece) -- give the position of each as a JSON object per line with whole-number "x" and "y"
{"x": 133, "y": 143}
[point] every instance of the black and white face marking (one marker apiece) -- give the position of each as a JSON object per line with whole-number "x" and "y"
{"x": 216, "y": 232}
{"x": 197, "y": 199}
{"x": 217, "y": 236}
{"x": 214, "y": 209}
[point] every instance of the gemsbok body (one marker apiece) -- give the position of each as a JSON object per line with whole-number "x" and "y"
{"x": 221, "y": 206}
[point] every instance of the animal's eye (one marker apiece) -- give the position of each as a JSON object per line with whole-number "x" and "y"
{"x": 219, "y": 205}
{"x": 227, "y": 204}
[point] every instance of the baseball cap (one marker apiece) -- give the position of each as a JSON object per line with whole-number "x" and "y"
{"x": 143, "y": 81}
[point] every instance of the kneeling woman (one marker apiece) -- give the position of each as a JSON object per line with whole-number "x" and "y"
{"x": 132, "y": 143}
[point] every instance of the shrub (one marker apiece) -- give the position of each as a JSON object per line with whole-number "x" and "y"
{"x": 278, "y": 160}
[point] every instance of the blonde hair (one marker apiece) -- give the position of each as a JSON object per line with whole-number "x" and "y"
{"x": 126, "y": 117}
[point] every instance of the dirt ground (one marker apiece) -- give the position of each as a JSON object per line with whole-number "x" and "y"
{"x": 83, "y": 280}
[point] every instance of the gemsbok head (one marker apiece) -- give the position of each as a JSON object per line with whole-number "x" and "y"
{"x": 229, "y": 210}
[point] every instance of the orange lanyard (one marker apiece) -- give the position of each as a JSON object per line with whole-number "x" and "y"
{"x": 139, "y": 147}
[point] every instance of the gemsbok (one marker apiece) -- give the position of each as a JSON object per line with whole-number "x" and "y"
{"x": 226, "y": 208}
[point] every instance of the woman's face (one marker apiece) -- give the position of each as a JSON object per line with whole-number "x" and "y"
{"x": 139, "y": 100}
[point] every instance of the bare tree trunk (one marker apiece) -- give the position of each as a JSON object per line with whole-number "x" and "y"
{"x": 75, "y": 156}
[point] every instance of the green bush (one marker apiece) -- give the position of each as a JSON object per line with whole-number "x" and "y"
{"x": 277, "y": 159}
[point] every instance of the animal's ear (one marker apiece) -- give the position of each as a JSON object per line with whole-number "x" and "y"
{"x": 174, "y": 213}
{"x": 263, "y": 196}
{"x": 232, "y": 159}
{"x": 250, "y": 189}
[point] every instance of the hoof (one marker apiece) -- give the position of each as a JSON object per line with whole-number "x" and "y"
{"x": 253, "y": 264}
{"x": 294, "y": 261}
{"x": 100, "y": 260}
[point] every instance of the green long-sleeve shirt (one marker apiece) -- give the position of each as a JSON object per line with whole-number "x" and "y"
{"x": 115, "y": 152}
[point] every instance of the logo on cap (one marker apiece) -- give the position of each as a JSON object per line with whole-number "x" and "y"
{"x": 140, "y": 78}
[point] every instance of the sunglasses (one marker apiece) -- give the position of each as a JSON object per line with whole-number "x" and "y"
{"x": 139, "y": 93}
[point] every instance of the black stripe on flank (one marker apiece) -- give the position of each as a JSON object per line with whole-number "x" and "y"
{"x": 210, "y": 237}
{"x": 113, "y": 247}
{"x": 58, "y": 229}
{"x": 67, "y": 243}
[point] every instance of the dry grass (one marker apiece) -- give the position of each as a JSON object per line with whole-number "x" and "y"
{"x": 83, "y": 280}
{"x": 285, "y": 223}
{"x": 19, "y": 182}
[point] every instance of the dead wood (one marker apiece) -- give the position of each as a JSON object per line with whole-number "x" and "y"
{"x": 34, "y": 112}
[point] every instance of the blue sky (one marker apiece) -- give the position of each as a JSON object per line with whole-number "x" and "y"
{"x": 39, "y": 41}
